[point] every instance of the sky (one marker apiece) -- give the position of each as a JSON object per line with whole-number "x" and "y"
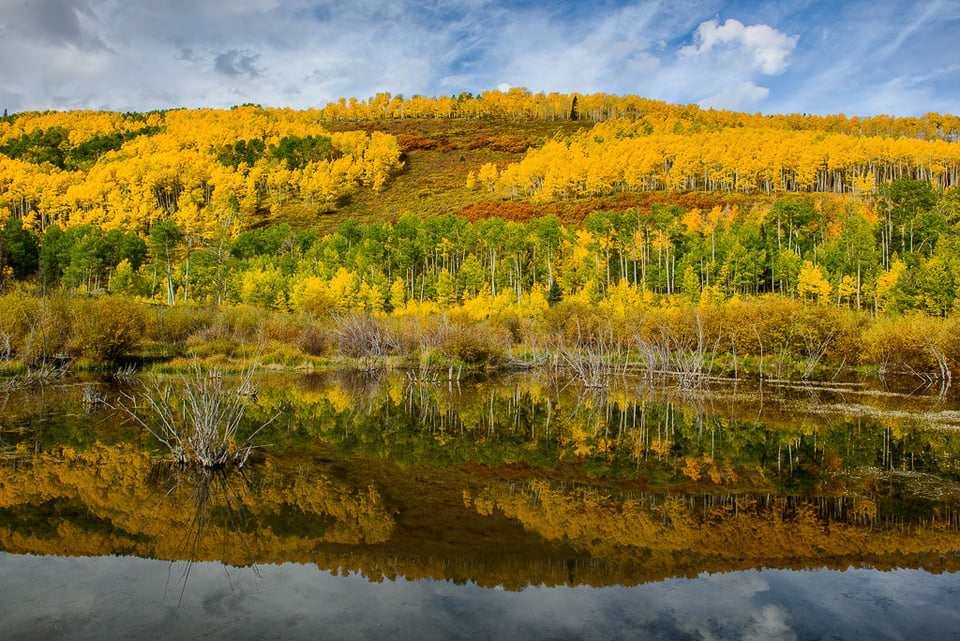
{"x": 895, "y": 57}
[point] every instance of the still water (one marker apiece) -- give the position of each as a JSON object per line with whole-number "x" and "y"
{"x": 131, "y": 598}
{"x": 511, "y": 508}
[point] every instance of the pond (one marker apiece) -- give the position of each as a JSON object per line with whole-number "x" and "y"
{"x": 517, "y": 507}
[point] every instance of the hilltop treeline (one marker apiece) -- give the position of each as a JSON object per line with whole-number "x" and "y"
{"x": 620, "y": 156}
{"x": 521, "y": 104}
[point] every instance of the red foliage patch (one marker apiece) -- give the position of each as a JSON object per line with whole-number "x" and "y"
{"x": 413, "y": 141}
{"x": 506, "y": 209}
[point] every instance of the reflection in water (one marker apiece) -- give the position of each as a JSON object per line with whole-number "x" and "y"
{"x": 215, "y": 494}
{"x": 386, "y": 521}
{"x": 518, "y": 484}
{"x": 108, "y": 500}
{"x": 81, "y": 598}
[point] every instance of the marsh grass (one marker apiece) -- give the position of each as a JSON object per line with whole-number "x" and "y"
{"x": 34, "y": 377}
{"x": 199, "y": 419}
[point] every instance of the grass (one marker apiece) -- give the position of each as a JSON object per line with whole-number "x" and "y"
{"x": 431, "y": 183}
{"x": 438, "y": 155}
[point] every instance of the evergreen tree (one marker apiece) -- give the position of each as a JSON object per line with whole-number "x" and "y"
{"x": 555, "y": 294}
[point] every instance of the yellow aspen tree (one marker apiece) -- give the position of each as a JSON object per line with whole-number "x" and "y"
{"x": 812, "y": 283}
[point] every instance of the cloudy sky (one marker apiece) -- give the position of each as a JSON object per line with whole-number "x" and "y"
{"x": 861, "y": 57}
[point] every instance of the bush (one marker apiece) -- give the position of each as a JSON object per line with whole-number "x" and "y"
{"x": 907, "y": 344}
{"x": 513, "y": 324}
{"x": 285, "y": 328}
{"x": 366, "y": 337}
{"x": 173, "y": 325}
{"x": 789, "y": 328}
{"x": 420, "y": 332}
{"x": 476, "y": 345}
{"x": 106, "y": 329}
{"x": 578, "y": 323}
{"x": 33, "y": 330}
{"x": 243, "y": 322}
{"x": 315, "y": 340}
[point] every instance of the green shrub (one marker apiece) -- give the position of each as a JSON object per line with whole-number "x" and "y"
{"x": 242, "y": 321}
{"x": 173, "y": 325}
{"x": 32, "y": 329}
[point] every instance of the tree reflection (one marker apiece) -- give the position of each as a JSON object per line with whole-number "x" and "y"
{"x": 510, "y": 482}
{"x": 217, "y": 498}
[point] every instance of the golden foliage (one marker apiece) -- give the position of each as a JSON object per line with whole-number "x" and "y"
{"x": 176, "y": 174}
{"x": 617, "y": 156}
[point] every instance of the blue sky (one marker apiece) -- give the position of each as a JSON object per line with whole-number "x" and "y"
{"x": 859, "y": 58}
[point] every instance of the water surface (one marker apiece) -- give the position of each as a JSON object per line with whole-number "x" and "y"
{"x": 520, "y": 507}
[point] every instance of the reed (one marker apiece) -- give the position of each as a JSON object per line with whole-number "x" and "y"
{"x": 199, "y": 419}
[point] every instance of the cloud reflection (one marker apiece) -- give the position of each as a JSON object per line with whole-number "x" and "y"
{"x": 85, "y": 597}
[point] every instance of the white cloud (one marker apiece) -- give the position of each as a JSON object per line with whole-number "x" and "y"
{"x": 737, "y": 96}
{"x": 135, "y": 54}
{"x": 760, "y": 46}
{"x": 616, "y": 51}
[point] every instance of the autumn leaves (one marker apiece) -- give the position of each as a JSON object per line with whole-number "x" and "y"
{"x": 616, "y": 156}
{"x": 177, "y": 168}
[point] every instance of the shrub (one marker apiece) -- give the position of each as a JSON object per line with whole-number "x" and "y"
{"x": 906, "y": 344}
{"x": 513, "y": 324}
{"x": 476, "y": 345}
{"x": 243, "y": 322}
{"x": 284, "y": 328}
{"x": 578, "y": 323}
{"x": 106, "y": 329}
{"x": 422, "y": 332}
{"x": 199, "y": 422}
{"x": 366, "y": 337}
{"x": 173, "y": 325}
{"x": 315, "y": 340}
{"x": 408, "y": 142}
{"x": 33, "y": 330}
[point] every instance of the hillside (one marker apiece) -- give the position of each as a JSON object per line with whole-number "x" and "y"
{"x": 438, "y": 155}
{"x": 513, "y": 155}
{"x": 494, "y": 211}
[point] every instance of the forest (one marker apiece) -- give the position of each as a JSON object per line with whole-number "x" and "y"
{"x": 484, "y": 230}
